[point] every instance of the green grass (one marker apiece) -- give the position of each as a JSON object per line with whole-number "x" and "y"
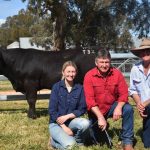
{"x": 5, "y": 85}
{"x": 17, "y": 132}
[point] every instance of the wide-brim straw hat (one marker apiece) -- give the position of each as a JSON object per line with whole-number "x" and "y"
{"x": 145, "y": 45}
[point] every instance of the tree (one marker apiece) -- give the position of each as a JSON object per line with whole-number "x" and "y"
{"x": 105, "y": 23}
{"x": 42, "y": 33}
{"x": 98, "y": 22}
{"x": 16, "y": 26}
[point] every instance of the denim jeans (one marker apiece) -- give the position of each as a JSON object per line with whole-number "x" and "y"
{"x": 146, "y": 128}
{"x": 127, "y": 124}
{"x": 61, "y": 140}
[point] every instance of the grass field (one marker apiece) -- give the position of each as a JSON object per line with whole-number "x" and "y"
{"x": 5, "y": 85}
{"x": 17, "y": 132}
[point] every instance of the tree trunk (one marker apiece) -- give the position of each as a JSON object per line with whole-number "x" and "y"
{"x": 59, "y": 27}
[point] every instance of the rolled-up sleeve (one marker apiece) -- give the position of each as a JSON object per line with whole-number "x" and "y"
{"x": 132, "y": 88}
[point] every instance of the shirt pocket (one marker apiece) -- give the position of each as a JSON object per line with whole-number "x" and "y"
{"x": 74, "y": 102}
{"x": 62, "y": 98}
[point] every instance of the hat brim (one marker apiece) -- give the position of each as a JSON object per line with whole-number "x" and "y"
{"x": 137, "y": 51}
{"x": 141, "y": 47}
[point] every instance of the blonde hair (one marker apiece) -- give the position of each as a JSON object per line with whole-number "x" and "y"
{"x": 66, "y": 64}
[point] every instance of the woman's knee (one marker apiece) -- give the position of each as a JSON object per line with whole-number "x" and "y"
{"x": 82, "y": 123}
{"x": 69, "y": 144}
{"x": 85, "y": 124}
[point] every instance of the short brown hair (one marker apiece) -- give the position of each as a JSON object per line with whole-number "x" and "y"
{"x": 103, "y": 53}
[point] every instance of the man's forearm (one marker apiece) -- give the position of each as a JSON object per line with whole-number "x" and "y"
{"x": 136, "y": 98}
{"x": 146, "y": 103}
{"x": 97, "y": 112}
{"x": 120, "y": 104}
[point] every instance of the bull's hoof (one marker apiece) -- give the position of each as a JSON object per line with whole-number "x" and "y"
{"x": 31, "y": 115}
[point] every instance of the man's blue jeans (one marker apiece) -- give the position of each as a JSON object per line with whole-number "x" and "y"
{"x": 146, "y": 128}
{"x": 127, "y": 123}
{"x": 61, "y": 140}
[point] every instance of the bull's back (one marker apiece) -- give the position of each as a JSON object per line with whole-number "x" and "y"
{"x": 43, "y": 67}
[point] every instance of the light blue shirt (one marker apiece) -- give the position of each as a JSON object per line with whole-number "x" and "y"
{"x": 139, "y": 82}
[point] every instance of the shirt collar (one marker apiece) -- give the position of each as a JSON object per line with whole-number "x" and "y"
{"x": 141, "y": 68}
{"x": 62, "y": 84}
{"x": 97, "y": 73}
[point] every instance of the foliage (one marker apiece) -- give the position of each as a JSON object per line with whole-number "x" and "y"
{"x": 16, "y": 26}
{"x": 101, "y": 22}
{"x": 42, "y": 33}
{"x": 141, "y": 18}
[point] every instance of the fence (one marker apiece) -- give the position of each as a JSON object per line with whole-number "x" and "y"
{"x": 125, "y": 65}
{"x": 20, "y": 96}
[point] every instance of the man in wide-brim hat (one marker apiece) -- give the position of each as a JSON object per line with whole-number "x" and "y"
{"x": 144, "y": 46}
{"x": 140, "y": 87}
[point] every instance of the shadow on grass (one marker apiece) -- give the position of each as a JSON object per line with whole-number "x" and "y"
{"x": 42, "y": 112}
{"x": 102, "y": 138}
{"x": 12, "y": 111}
{"x": 116, "y": 132}
{"x": 139, "y": 132}
{"x": 39, "y": 111}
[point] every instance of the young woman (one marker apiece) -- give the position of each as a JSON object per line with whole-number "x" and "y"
{"x": 66, "y": 105}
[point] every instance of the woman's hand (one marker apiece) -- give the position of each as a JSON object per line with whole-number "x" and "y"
{"x": 67, "y": 129}
{"x": 62, "y": 119}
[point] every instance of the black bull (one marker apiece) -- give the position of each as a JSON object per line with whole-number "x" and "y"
{"x": 31, "y": 70}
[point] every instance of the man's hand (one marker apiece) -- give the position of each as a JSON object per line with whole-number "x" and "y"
{"x": 102, "y": 123}
{"x": 141, "y": 109}
{"x": 117, "y": 113}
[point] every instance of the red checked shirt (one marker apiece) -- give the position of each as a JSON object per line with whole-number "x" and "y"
{"x": 104, "y": 91}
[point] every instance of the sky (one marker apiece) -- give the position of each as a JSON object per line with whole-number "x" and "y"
{"x": 10, "y": 8}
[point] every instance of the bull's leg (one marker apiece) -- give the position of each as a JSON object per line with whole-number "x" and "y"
{"x": 31, "y": 97}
